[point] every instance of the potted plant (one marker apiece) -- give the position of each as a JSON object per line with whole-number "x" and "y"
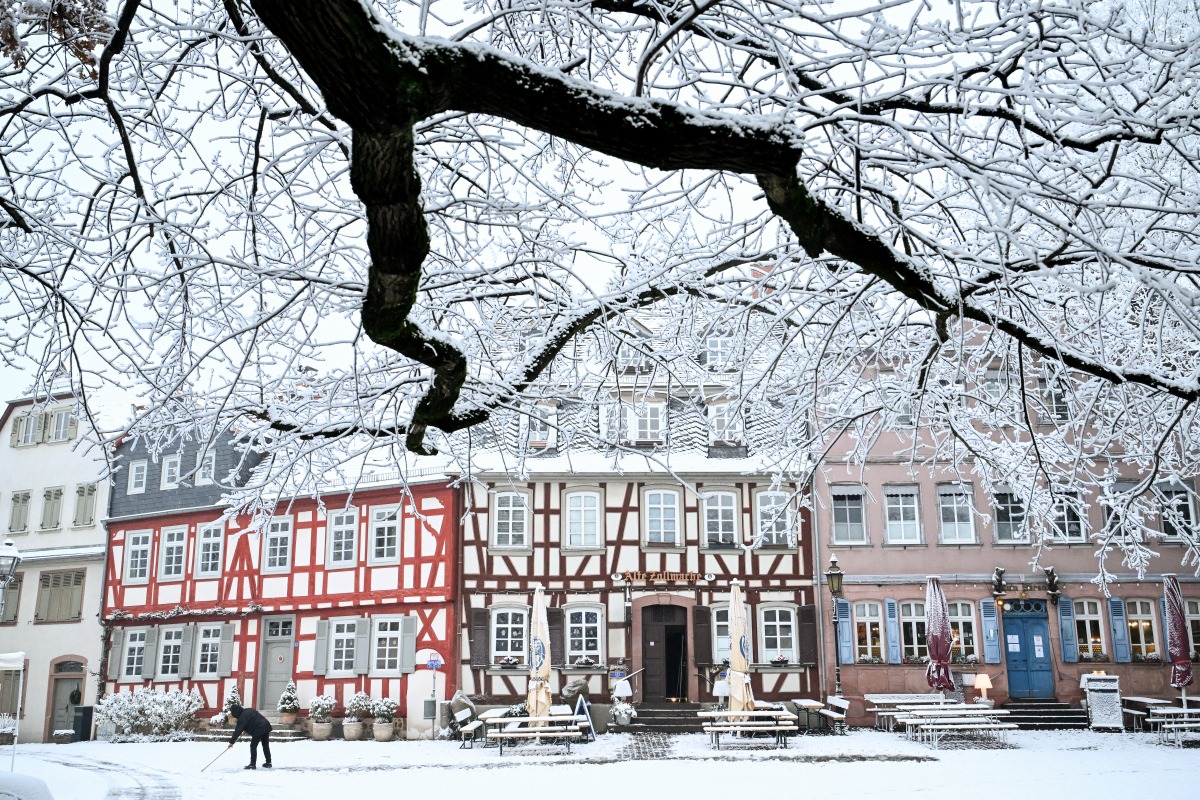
{"x": 384, "y": 710}
{"x": 779, "y": 661}
{"x": 289, "y": 704}
{"x": 622, "y": 713}
{"x": 510, "y": 662}
{"x": 320, "y": 716}
{"x": 358, "y": 709}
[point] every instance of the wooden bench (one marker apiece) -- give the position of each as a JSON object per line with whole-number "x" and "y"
{"x": 931, "y": 729}
{"x": 1177, "y": 729}
{"x": 468, "y": 730}
{"x": 779, "y": 729}
{"x": 539, "y": 733}
{"x": 1137, "y": 718}
{"x": 836, "y": 715}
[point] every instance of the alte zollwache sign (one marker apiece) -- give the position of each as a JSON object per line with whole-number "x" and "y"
{"x": 662, "y": 577}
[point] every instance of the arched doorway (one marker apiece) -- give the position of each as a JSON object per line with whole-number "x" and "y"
{"x": 67, "y": 675}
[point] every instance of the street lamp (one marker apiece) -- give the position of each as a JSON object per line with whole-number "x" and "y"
{"x": 833, "y": 577}
{"x": 10, "y": 559}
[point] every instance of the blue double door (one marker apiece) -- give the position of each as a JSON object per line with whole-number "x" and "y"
{"x": 1027, "y": 651}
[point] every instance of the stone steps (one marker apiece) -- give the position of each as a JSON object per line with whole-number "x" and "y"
{"x": 1045, "y": 715}
{"x": 663, "y": 718}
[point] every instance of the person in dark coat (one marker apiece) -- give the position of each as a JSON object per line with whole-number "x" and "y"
{"x": 258, "y": 727}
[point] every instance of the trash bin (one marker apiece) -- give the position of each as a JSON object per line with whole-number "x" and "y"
{"x": 1104, "y": 702}
{"x": 83, "y": 723}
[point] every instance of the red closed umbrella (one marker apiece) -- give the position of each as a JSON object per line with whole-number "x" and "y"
{"x": 1178, "y": 651}
{"x": 939, "y": 637}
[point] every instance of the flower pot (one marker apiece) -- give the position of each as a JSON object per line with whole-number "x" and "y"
{"x": 383, "y": 731}
{"x": 287, "y": 717}
{"x": 321, "y": 731}
{"x": 352, "y": 731}
{"x": 622, "y": 718}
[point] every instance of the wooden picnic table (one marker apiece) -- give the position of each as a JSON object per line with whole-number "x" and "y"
{"x": 1173, "y": 722}
{"x": 885, "y": 706}
{"x": 778, "y": 721}
{"x": 931, "y": 724}
{"x": 501, "y": 728}
{"x": 811, "y": 709}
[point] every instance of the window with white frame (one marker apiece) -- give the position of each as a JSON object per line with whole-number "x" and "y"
{"x": 210, "y": 541}
{"x": 720, "y": 519}
{"x": 135, "y": 654}
{"x": 1177, "y": 517}
{"x": 85, "y": 505}
{"x": 1009, "y": 518}
{"x": 508, "y": 634}
{"x": 898, "y": 403}
{"x": 385, "y": 650}
{"x": 170, "y": 471}
{"x": 27, "y": 429}
{"x": 171, "y": 552}
{"x": 630, "y": 358}
{"x": 206, "y": 468}
{"x": 722, "y": 641}
{"x": 137, "y": 557}
{"x": 510, "y": 526}
{"x": 585, "y": 625}
{"x": 208, "y": 650}
{"x": 773, "y": 513}
{"x": 1089, "y": 629}
{"x": 777, "y": 631}
{"x": 1058, "y": 405}
{"x": 954, "y": 506}
{"x": 538, "y": 426}
{"x": 724, "y": 423}
{"x": 170, "y": 652}
{"x": 900, "y": 505}
{"x": 60, "y": 427}
{"x": 52, "y": 508}
{"x": 343, "y": 534}
{"x": 912, "y": 631}
{"x": 137, "y": 477}
{"x": 849, "y": 516}
{"x": 583, "y": 519}
{"x": 277, "y": 548}
{"x": 718, "y": 351}
{"x": 385, "y": 535}
{"x": 1065, "y": 519}
{"x": 662, "y": 516}
{"x": 1193, "y": 623}
{"x": 995, "y": 387}
{"x": 341, "y": 645}
{"x": 1140, "y": 617}
{"x": 644, "y": 421}
{"x": 962, "y": 625}
{"x": 868, "y": 631}
{"x": 18, "y": 518}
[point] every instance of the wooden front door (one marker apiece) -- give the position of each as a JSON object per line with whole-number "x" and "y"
{"x": 664, "y": 652}
{"x": 1027, "y": 650}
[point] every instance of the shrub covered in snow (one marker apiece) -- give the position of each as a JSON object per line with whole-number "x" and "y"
{"x": 320, "y": 708}
{"x": 233, "y": 698}
{"x": 289, "y": 702}
{"x": 147, "y": 715}
{"x": 384, "y": 709}
{"x": 359, "y": 707}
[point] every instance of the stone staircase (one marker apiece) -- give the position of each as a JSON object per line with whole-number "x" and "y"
{"x": 279, "y": 732}
{"x": 662, "y": 718}
{"x": 1045, "y": 715}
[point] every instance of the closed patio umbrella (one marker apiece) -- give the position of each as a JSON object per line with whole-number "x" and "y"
{"x": 741, "y": 696}
{"x": 539, "y": 658}
{"x": 1178, "y": 650}
{"x": 939, "y": 637}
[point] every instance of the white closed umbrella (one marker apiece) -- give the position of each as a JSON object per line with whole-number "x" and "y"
{"x": 741, "y": 696}
{"x": 539, "y": 658}
{"x": 15, "y": 662}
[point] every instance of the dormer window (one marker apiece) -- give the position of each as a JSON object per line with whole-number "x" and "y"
{"x": 644, "y": 422}
{"x": 630, "y": 358}
{"x": 725, "y": 424}
{"x": 540, "y": 427}
{"x": 718, "y": 351}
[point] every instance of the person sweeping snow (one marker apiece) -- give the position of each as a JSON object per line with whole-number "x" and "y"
{"x": 258, "y": 727}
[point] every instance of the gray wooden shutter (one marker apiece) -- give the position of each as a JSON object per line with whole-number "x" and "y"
{"x": 116, "y": 653}
{"x": 41, "y": 611}
{"x": 408, "y": 646}
{"x": 43, "y": 429}
{"x": 150, "y": 654}
{"x": 702, "y": 640}
{"x": 321, "y": 653}
{"x": 1066, "y": 630}
{"x": 558, "y": 644}
{"x": 74, "y": 594}
{"x": 481, "y": 645}
{"x": 806, "y": 634}
{"x": 225, "y": 654}
{"x": 362, "y": 646}
{"x": 185, "y": 651}
{"x": 14, "y": 435}
{"x": 72, "y": 427}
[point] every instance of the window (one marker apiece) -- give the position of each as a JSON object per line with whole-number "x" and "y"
{"x": 725, "y": 423}
{"x": 849, "y": 517}
{"x": 341, "y": 645}
{"x": 902, "y": 525}
{"x": 60, "y": 597}
{"x": 51, "y": 508}
{"x": 206, "y": 469}
{"x": 538, "y": 427}
{"x": 1089, "y": 629}
{"x": 170, "y": 472}
{"x": 722, "y": 642}
{"x": 774, "y": 519}
{"x": 1140, "y": 615}
{"x": 583, "y": 634}
{"x": 172, "y": 551}
{"x": 644, "y": 421}
{"x": 720, "y": 519}
{"x": 18, "y": 519}
{"x": 343, "y": 534}
{"x": 277, "y": 555}
{"x": 778, "y": 627}
{"x": 208, "y": 653}
{"x": 1058, "y": 405}
{"x": 995, "y": 388}
{"x": 1193, "y": 623}
{"x": 385, "y": 535}
{"x": 62, "y": 426}
{"x": 962, "y": 623}
{"x": 386, "y": 658}
{"x": 12, "y": 599}
{"x": 1177, "y": 517}
{"x": 511, "y": 528}
{"x": 85, "y": 505}
{"x": 954, "y": 504}
{"x": 897, "y": 402}
{"x": 135, "y": 654}
{"x": 662, "y": 517}
{"x": 208, "y": 550}
{"x": 508, "y": 634}
{"x": 10, "y": 683}
{"x": 718, "y": 351}
{"x": 868, "y": 631}
{"x": 630, "y": 358}
{"x": 912, "y": 631}
{"x": 137, "y": 557}
{"x": 170, "y": 652}
{"x": 583, "y": 519}
{"x": 1010, "y": 518}
{"x": 1065, "y": 520}
{"x": 137, "y": 477}
{"x": 25, "y": 430}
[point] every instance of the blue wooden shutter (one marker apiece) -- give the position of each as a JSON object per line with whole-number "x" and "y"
{"x": 1120, "y": 630}
{"x": 1066, "y": 630}
{"x": 891, "y": 616}
{"x": 991, "y": 631}
{"x": 845, "y": 631}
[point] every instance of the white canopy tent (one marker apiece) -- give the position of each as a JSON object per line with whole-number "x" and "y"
{"x": 15, "y": 662}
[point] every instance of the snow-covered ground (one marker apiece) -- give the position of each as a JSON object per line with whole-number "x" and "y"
{"x": 865, "y": 764}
